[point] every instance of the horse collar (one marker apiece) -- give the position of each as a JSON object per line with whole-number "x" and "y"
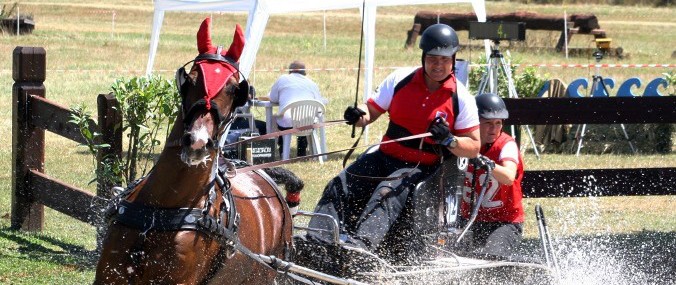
{"x": 145, "y": 218}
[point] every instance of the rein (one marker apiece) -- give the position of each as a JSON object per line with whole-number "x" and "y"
{"x": 286, "y": 132}
{"x": 295, "y": 159}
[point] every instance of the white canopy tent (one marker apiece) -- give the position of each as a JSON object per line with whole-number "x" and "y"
{"x": 259, "y": 12}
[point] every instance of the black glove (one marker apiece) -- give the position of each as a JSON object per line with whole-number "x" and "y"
{"x": 352, "y": 115}
{"x": 440, "y": 132}
{"x": 483, "y": 162}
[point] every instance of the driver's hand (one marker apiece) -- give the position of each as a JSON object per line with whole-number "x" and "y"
{"x": 441, "y": 134}
{"x": 483, "y": 162}
{"x": 353, "y": 114}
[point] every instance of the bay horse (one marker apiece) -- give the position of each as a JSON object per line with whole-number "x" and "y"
{"x": 187, "y": 223}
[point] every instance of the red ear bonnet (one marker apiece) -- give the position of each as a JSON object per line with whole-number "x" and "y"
{"x": 217, "y": 73}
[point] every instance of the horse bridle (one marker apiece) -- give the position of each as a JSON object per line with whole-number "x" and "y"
{"x": 240, "y": 93}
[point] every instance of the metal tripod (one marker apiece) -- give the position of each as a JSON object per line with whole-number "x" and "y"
{"x": 497, "y": 63}
{"x": 597, "y": 81}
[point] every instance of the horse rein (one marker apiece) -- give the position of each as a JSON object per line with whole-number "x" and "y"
{"x": 295, "y": 159}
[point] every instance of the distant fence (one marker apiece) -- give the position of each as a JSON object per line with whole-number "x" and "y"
{"x": 32, "y": 114}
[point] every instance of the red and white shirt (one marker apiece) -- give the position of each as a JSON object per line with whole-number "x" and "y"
{"x": 414, "y": 107}
{"x": 501, "y": 203}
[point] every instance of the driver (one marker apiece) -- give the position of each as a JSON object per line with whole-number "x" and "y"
{"x": 417, "y": 100}
{"x": 499, "y": 224}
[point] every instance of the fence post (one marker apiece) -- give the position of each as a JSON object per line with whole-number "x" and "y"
{"x": 110, "y": 124}
{"x": 28, "y": 141}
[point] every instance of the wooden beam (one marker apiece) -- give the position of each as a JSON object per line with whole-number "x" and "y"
{"x": 604, "y": 110}
{"x": 55, "y": 118}
{"x": 599, "y": 182}
{"x": 66, "y": 199}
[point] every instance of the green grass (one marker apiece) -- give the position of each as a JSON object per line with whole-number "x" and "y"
{"x": 85, "y": 56}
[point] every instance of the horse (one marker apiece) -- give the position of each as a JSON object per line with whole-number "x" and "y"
{"x": 191, "y": 221}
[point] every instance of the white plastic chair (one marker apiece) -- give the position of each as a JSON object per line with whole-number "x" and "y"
{"x": 303, "y": 113}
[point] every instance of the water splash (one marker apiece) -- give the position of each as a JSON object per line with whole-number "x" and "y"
{"x": 590, "y": 252}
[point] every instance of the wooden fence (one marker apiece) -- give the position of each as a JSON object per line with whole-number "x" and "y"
{"x": 32, "y": 114}
{"x": 595, "y": 110}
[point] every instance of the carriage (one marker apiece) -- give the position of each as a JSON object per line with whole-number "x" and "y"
{"x": 428, "y": 244}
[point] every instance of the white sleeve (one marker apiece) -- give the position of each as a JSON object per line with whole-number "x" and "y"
{"x": 509, "y": 152}
{"x": 468, "y": 116}
{"x": 382, "y": 96}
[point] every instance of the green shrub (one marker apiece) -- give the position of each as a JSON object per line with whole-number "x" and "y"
{"x": 526, "y": 82}
{"x": 149, "y": 105}
{"x": 671, "y": 80}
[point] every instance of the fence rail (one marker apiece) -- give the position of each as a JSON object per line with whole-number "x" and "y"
{"x": 594, "y": 110}
{"x": 603, "y": 110}
{"x": 599, "y": 182}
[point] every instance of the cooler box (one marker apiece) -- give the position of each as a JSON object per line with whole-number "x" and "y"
{"x": 260, "y": 151}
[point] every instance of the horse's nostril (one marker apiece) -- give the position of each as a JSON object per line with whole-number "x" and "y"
{"x": 187, "y": 140}
{"x": 210, "y": 143}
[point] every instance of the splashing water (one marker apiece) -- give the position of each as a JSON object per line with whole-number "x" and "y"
{"x": 589, "y": 250}
{"x": 606, "y": 257}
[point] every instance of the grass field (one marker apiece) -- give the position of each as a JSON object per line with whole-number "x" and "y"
{"x": 624, "y": 240}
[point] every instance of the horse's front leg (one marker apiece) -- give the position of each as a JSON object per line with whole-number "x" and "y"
{"x": 116, "y": 264}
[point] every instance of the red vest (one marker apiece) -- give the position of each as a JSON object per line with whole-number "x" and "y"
{"x": 414, "y": 107}
{"x": 501, "y": 203}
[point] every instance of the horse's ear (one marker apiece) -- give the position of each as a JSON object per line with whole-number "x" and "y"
{"x": 204, "y": 36}
{"x": 237, "y": 45}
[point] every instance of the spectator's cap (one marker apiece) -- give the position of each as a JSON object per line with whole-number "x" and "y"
{"x": 297, "y": 66}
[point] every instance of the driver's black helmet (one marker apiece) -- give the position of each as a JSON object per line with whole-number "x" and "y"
{"x": 491, "y": 106}
{"x": 439, "y": 39}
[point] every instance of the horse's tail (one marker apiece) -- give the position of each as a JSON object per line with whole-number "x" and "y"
{"x": 292, "y": 184}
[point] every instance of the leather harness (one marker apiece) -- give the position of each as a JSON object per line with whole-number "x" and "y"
{"x": 223, "y": 227}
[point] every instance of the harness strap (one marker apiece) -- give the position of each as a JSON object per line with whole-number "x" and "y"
{"x": 159, "y": 219}
{"x": 226, "y": 191}
{"x": 216, "y": 57}
{"x": 145, "y": 218}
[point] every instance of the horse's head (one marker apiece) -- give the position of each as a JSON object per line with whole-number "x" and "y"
{"x": 210, "y": 92}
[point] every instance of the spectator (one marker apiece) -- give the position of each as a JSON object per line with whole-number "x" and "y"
{"x": 290, "y": 88}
